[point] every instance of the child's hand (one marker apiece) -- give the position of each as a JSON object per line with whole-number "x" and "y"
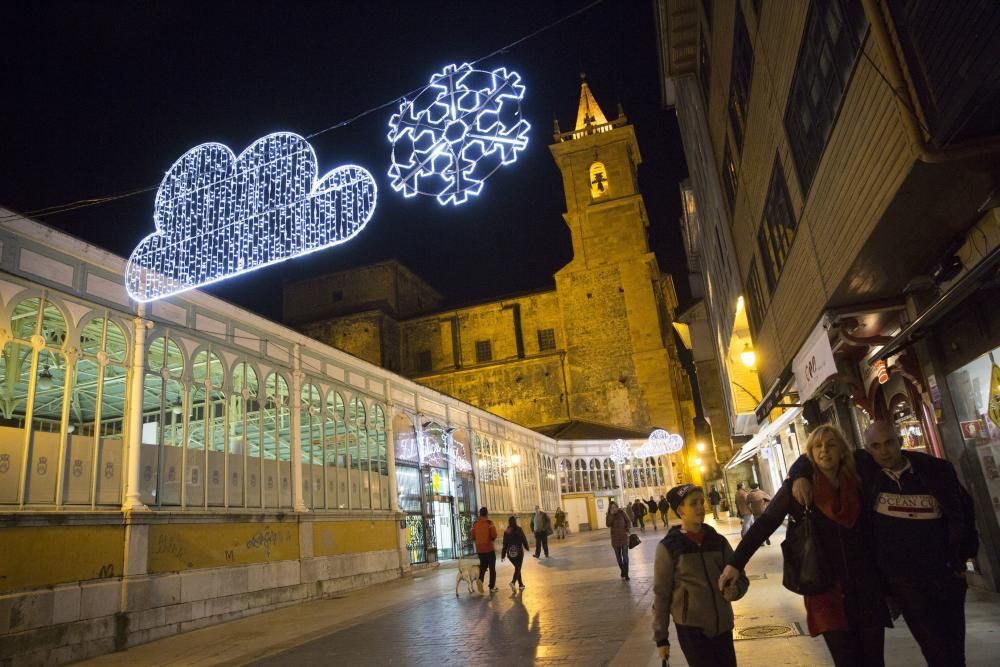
{"x": 727, "y": 578}
{"x": 729, "y": 592}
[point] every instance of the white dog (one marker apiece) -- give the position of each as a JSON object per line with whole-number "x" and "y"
{"x": 468, "y": 571}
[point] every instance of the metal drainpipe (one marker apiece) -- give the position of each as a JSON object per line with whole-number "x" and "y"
{"x": 894, "y": 74}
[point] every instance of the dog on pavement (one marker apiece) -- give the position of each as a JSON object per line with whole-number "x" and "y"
{"x": 468, "y": 571}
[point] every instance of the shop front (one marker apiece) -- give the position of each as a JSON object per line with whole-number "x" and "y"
{"x": 436, "y": 490}
{"x": 957, "y": 343}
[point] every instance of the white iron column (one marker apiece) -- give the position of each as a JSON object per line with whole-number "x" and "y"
{"x": 133, "y": 500}
{"x": 295, "y": 404}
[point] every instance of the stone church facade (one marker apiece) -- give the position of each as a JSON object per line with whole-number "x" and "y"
{"x": 598, "y": 349}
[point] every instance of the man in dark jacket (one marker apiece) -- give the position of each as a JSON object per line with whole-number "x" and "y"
{"x": 651, "y": 505}
{"x": 664, "y": 508}
{"x": 714, "y": 498}
{"x": 923, "y": 532}
{"x": 541, "y": 526}
{"x": 638, "y": 512}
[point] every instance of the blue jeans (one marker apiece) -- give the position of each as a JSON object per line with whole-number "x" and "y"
{"x": 621, "y": 555}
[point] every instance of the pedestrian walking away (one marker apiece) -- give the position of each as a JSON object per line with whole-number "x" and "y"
{"x": 638, "y": 512}
{"x": 714, "y": 498}
{"x": 921, "y": 555}
{"x": 484, "y": 533}
{"x": 689, "y": 562}
{"x": 620, "y": 526}
{"x": 515, "y": 545}
{"x": 652, "y": 508}
{"x": 851, "y": 615}
{"x": 757, "y": 501}
{"x": 541, "y": 526}
{"x": 560, "y": 524}
{"x": 664, "y": 508}
{"x": 743, "y": 510}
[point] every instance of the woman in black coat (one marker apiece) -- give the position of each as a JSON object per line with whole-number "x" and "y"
{"x": 515, "y": 543}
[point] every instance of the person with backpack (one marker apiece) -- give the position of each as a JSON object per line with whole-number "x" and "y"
{"x": 620, "y": 525}
{"x": 850, "y": 611}
{"x": 757, "y": 501}
{"x": 651, "y": 506}
{"x": 560, "y": 524}
{"x": 515, "y": 542}
{"x": 923, "y": 532}
{"x": 484, "y": 533}
{"x": 714, "y": 498}
{"x": 541, "y": 526}
{"x": 689, "y": 561}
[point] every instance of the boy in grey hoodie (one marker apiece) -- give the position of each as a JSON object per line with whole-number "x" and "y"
{"x": 689, "y": 561}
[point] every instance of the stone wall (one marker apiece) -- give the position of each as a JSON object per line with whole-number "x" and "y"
{"x": 170, "y": 574}
{"x": 529, "y": 391}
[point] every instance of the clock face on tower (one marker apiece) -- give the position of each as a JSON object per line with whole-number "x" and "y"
{"x": 598, "y": 180}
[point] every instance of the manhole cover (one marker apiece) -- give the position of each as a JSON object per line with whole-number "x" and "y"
{"x": 767, "y": 631}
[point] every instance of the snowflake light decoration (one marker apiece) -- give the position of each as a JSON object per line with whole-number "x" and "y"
{"x": 218, "y": 215}
{"x": 620, "y": 452}
{"x": 460, "y": 129}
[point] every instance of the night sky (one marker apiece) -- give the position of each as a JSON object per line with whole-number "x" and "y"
{"x": 102, "y": 97}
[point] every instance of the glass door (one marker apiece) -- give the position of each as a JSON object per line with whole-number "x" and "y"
{"x": 444, "y": 527}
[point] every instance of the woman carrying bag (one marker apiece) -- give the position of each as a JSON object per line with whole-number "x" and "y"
{"x": 620, "y": 527}
{"x": 849, "y": 611}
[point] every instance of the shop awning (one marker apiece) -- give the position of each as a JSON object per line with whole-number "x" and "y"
{"x": 774, "y": 394}
{"x": 965, "y": 286}
{"x": 755, "y": 443}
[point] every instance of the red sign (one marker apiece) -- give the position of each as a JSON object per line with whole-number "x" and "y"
{"x": 973, "y": 430}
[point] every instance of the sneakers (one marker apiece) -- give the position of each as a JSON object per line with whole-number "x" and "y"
{"x": 494, "y": 589}
{"x": 535, "y": 555}
{"x": 626, "y": 578}
{"x": 513, "y": 588}
{"x": 521, "y": 587}
{"x": 479, "y": 585}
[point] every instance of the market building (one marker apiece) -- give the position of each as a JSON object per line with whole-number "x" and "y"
{"x": 169, "y": 466}
{"x": 845, "y": 170}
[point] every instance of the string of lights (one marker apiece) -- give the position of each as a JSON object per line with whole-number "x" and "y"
{"x": 97, "y": 201}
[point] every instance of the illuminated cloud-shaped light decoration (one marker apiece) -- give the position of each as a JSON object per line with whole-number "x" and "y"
{"x": 456, "y": 132}
{"x": 660, "y": 443}
{"x": 218, "y": 215}
{"x": 620, "y": 451}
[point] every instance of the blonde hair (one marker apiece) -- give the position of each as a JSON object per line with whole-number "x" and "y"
{"x": 846, "y": 452}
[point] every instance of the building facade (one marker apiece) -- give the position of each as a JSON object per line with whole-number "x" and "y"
{"x": 169, "y": 466}
{"x": 597, "y": 349}
{"x": 845, "y": 157}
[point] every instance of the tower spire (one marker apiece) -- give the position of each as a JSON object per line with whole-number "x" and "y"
{"x": 589, "y": 114}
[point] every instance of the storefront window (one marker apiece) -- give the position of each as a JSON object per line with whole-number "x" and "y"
{"x": 908, "y": 426}
{"x": 975, "y": 389}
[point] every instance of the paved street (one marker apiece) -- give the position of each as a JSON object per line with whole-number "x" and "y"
{"x": 574, "y": 611}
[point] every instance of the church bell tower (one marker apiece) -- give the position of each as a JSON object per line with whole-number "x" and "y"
{"x": 615, "y": 303}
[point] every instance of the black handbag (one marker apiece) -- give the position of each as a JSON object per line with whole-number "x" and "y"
{"x": 633, "y": 541}
{"x": 806, "y": 571}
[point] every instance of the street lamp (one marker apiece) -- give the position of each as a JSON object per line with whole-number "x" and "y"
{"x": 748, "y": 356}
{"x": 621, "y": 452}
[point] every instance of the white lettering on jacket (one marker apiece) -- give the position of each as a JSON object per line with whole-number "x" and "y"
{"x": 908, "y": 506}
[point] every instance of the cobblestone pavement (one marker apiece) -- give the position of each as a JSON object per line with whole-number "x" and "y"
{"x": 575, "y": 611}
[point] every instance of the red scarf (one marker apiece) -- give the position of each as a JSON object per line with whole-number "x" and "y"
{"x": 838, "y": 504}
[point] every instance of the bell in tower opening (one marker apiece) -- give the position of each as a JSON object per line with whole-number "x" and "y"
{"x": 598, "y": 180}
